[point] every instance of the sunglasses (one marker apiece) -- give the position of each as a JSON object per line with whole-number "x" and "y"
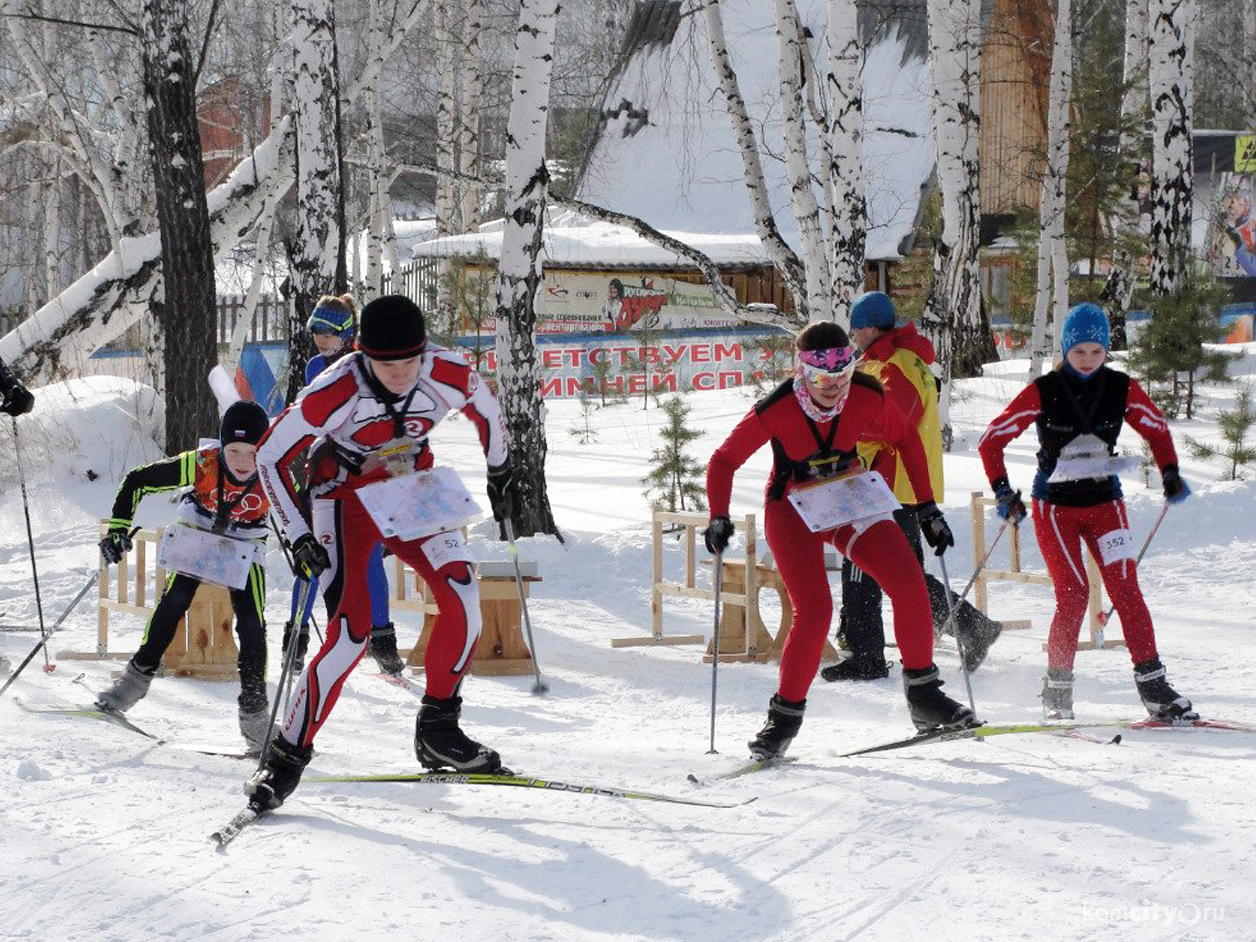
{"x": 831, "y": 374}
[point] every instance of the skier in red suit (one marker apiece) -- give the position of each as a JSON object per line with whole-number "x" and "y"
{"x": 368, "y": 417}
{"x": 1079, "y": 410}
{"x": 814, "y": 423}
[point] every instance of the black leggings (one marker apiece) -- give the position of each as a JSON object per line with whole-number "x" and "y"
{"x": 250, "y": 606}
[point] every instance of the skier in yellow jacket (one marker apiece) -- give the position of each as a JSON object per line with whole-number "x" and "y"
{"x": 899, "y": 358}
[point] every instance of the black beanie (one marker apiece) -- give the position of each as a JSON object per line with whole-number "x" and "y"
{"x": 391, "y": 328}
{"x": 245, "y": 422}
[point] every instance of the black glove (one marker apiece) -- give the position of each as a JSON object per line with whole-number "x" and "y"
{"x": 933, "y": 527}
{"x": 19, "y": 401}
{"x": 501, "y": 491}
{"x": 718, "y": 534}
{"x": 1011, "y": 507}
{"x": 1175, "y": 489}
{"x": 1235, "y": 236}
{"x": 309, "y": 559}
{"x": 116, "y": 544}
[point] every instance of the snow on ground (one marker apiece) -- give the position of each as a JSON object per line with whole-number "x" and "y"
{"x": 104, "y": 835}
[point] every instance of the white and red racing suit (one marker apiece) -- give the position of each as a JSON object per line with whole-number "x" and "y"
{"x": 348, "y": 417}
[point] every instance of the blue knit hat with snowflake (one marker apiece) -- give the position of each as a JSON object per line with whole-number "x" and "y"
{"x": 1085, "y": 323}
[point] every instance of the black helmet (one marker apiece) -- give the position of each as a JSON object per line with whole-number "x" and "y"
{"x": 391, "y": 328}
{"x": 245, "y": 422}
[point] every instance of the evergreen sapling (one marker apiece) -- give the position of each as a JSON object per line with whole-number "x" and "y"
{"x": 1234, "y": 428}
{"x": 675, "y": 476}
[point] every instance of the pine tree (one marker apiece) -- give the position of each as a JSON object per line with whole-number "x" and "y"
{"x": 1234, "y": 428}
{"x": 582, "y": 429}
{"x": 1169, "y": 353}
{"x": 675, "y": 476}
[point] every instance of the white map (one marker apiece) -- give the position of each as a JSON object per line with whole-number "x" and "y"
{"x": 837, "y": 502}
{"x": 206, "y": 556}
{"x": 418, "y": 505}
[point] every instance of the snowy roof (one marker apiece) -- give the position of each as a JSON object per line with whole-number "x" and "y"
{"x": 572, "y": 241}
{"x": 667, "y": 152}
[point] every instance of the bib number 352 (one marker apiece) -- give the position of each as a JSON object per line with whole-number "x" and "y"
{"x": 1116, "y": 545}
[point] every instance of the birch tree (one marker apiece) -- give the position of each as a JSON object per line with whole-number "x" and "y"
{"x": 1171, "y": 53}
{"x": 188, "y": 310}
{"x": 1053, "y": 268}
{"x": 519, "y": 269}
{"x": 955, "y": 314}
{"x": 317, "y": 257}
{"x": 472, "y": 96}
{"x": 793, "y": 53}
{"x": 783, "y": 257}
{"x": 1118, "y": 290}
{"x": 844, "y": 88}
{"x": 446, "y": 116}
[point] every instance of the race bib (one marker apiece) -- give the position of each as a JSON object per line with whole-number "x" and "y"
{"x": 1091, "y": 467}
{"x": 863, "y": 496}
{"x": 1115, "y": 546}
{"x": 447, "y": 547}
{"x": 206, "y": 556}
{"x": 418, "y": 505}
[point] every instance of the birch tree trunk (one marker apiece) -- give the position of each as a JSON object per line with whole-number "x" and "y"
{"x": 1118, "y": 290}
{"x": 955, "y": 313}
{"x": 848, "y": 237}
{"x": 792, "y": 56}
{"x": 1171, "y": 64}
{"x": 519, "y": 269}
{"x": 188, "y": 312}
{"x": 1052, "y": 248}
{"x": 783, "y": 257}
{"x": 446, "y": 117}
{"x": 1249, "y": 61}
{"x": 472, "y": 95}
{"x": 318, "y": 263}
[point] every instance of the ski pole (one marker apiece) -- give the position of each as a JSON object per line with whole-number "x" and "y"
{"x": 715, "y": 644}
{"x": 950, "y": 606}
{"x": 1104, "y": 616}
{"x": 49, "y": 667}
{"x": 540, "y": 686}
{"x": 982, "y": 565}
{"x": 284, "y": 674}
{"x": 57, "y": 624}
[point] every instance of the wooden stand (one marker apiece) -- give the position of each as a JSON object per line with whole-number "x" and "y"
{"x": 204, "y": 644}
{"x": 661, "y": 588}
{"x": 501, "y": 650}
{"x": 743, "y": 636}
{"x": 1014, "y": 573}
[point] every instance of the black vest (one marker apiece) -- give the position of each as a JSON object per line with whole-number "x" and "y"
{"x": 1072, "y": 407}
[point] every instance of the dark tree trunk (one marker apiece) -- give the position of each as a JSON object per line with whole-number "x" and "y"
{"x": 188, "y": 314}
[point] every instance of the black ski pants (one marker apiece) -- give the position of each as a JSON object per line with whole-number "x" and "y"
{"x": 250, "y": 606}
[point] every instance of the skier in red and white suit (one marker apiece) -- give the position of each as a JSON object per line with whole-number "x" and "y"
{"x": 368, "y": 417}
{"x": 815, "y": 423}
{"x": 1079, "y": 410}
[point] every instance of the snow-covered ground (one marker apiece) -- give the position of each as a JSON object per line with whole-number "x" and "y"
{"x": 104, "y": 835}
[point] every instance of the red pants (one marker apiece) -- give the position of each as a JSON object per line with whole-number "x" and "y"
{"x": 882, "y": 551}
{"x": 1060, "y": 531}
{"x": 346, "y": 531}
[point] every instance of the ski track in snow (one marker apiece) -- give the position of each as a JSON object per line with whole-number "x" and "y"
{"x": 105, "y": 834}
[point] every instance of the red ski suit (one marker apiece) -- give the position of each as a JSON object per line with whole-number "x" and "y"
{"x": 1092, "y": 511}
{"x": 343, "y": 412}
{"x": 879, "y": 549}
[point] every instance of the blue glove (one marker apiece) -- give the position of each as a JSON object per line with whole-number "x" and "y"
{"x": 1175, "y": 489}
{"x": 1011, "y": 507}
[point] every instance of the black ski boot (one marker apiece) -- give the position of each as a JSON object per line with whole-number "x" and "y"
{"x": 384, "y": 649}
{"x": 440, "y": 743}
{"x": 127, "y": 690}
{"x": 1161, "y": 700}
{"x": 279, "y": 775}
{"x": 1057, "y": 694}
{"x": 978, "y": 638}
{"x": 784, "y": 720}
{"x": 930, "y": 708}
{"x": 857, "y": 668}
{"x": 303, "y": 643}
